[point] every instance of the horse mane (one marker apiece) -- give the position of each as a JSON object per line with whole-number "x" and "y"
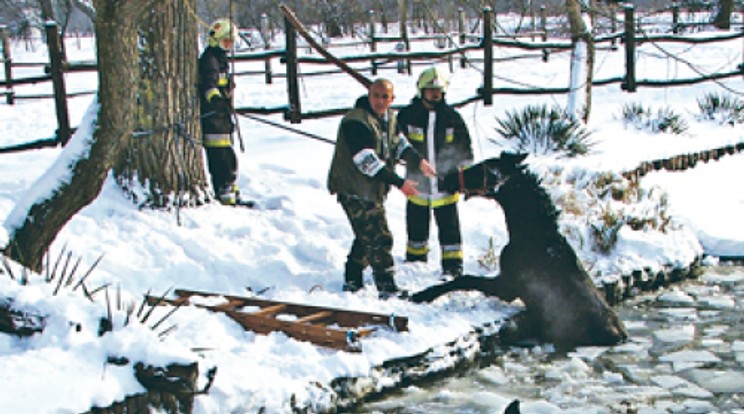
{"x": 528, "y": 208}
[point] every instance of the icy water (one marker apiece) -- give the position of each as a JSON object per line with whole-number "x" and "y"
{"x": 685, "y": 355}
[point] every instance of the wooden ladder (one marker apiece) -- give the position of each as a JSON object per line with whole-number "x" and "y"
{"x": 303, "y": 322}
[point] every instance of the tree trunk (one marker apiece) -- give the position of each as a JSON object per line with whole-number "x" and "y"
{"x": 722, "y": 19}
{"x": 47, "y": 10}
{"x": 163, "y": 163}
{"x": 580, "y": 33}
{"x": 89, "y": 162}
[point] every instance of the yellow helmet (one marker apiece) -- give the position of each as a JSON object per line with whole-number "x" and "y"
{"x": 432, "y": 78}
{"x": 221, "y": 29}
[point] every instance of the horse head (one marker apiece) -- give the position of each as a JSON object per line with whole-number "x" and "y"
{"x": 486, "y": 177}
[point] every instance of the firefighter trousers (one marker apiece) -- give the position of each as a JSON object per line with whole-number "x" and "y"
{"x": 418, "y": 220}
{"x": 223, "y": 167}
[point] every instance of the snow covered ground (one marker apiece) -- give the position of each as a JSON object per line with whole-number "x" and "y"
{"x": 293, "y": 247}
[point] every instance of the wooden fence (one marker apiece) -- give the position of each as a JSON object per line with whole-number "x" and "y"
{"x": 462, "y": 47}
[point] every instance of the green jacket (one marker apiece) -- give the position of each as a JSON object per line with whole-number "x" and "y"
{"x": 346, "y": 176}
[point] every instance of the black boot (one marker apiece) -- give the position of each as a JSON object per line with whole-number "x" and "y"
{"x": 353, "y": 276}
{"x": 411, "y": 257}
{"x": 451, "y": 271}
{"x": 386, "y": 287}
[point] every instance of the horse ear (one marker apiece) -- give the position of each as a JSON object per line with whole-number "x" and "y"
{"x": 513, "y": 158}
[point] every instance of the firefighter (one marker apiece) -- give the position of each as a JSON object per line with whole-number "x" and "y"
{"x": 439, "y": 133}
{"x": 215, "y": 91}
{"x": 361, "y": 173}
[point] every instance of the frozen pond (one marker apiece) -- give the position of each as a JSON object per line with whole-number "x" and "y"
{"x": 685, "y": 355}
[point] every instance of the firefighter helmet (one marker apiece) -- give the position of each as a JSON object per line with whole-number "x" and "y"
{"x": 432, "y": 78}
{"x": 220, "y": 30}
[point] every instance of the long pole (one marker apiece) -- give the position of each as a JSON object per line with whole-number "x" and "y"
{"x": 232, "y": 76}
{"x": 292, "y": 19}
{"x": 288, "y": 128}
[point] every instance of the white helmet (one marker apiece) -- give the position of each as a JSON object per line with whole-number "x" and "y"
{"x": 220, "y": 30}
{"x": 432, "y": 78}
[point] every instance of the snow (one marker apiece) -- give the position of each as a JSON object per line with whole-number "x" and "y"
{"x": 294, "y": 246}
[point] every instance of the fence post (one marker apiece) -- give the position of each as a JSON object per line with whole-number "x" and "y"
{"x": 461, "y": 30}
{"x": 9, "y": 94}
{"x": 544, "y": 23}
{"x": 58, "y": 81}
{"x": 266, "y": 31}
{"x": 675, "y": 18}
{"x": 461, "y": 25}
{"x": 544, "y": 29}
{"x": 533, "y": 22}
{"x": 487, "y": 57}
{"x": 630, "y": 80}
{"x": 372, "y": 42}
{"x": 294, "y": 114}
{"x": 404, "y": 34}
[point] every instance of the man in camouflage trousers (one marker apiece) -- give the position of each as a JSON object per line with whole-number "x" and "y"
{"x": 361, "y": 173}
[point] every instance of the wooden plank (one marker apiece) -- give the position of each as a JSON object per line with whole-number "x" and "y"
{"x": 314, "y": 317}
{"x": 229, "y": 305}
{"x": 319, "y": 335}
{"x": 342, "y": 316}
{"x": 269, "y": 310}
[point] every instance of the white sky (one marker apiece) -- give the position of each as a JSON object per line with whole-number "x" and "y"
{"x": 298, "y": 240}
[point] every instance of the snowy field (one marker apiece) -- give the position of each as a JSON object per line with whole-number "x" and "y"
{"x": 293, "y": 247}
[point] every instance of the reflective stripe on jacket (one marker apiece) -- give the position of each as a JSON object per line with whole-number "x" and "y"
{"x": 443, "y": 138}
{"x": 345, "y": 176}
{"x": 217, "y": 140}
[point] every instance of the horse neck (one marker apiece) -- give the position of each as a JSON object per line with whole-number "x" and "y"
{"x": 528, "y": 209}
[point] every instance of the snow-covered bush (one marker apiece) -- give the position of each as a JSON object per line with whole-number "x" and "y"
{"x": 541, "y": 130}
{"x": 596, "y": 205}
{"x": 722, "y": 108}
{"x": 644, "y": 119}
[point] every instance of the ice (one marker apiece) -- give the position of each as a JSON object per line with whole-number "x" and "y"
{"x": 718, "y": 381}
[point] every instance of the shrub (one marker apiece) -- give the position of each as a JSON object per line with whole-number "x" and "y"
{"x": 605, "y": 202}
{"x": 604, "y": 231}
{"x": 724, "y": 109}
{"x": 540, "y": 130}
{"x": 644, "y": 119}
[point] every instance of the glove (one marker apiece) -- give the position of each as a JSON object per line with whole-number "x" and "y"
{"x": 220, "y": 105}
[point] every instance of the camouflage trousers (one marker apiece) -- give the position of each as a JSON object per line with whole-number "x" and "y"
{"x": 373, "y": 241}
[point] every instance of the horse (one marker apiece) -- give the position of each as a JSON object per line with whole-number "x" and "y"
{"x": 562, "y": 305}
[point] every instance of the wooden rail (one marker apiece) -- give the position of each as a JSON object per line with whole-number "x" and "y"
{"x": 392, "y": 60}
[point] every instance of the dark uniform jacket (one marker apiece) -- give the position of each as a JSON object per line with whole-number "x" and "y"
{"x": 216, "y": 111}
{"x": 367, "y": 150}
{"x": 451, "y": 147}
